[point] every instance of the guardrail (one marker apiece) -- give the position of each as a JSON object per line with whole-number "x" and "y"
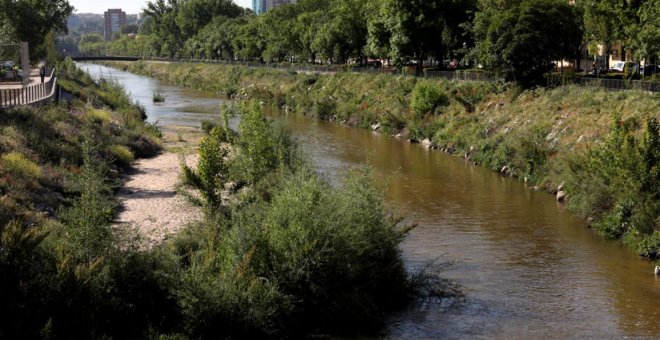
{"x": 29, "y": 95}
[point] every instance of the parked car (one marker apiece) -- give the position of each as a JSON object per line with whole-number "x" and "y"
{"x": 7, "y": 70}
{"x": 649, "y": 70}
{"x": 623, "y": 66}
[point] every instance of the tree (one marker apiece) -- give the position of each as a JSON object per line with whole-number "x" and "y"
{"x": 419, "y": 29}
{"x": 129, "y": 29}
{"x": 647, "y": 40}
{"x": 607, "y": 21}
{"x": 520, "y": 39}
{"x": 32, "y": 20}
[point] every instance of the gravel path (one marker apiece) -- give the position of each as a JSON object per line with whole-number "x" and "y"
{"x": 149, "y": 202}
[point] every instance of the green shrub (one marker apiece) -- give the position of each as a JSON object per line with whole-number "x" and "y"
{"x": 207, "y": 126}
{"x": 99, "y": 115}
{"x": 324, "y": 108}
{"x": 88, "y": 220}
{"x": 649, "y": 245}
{"x": 617, "y": 183}
{"x": 142, "y": 145}
{"x": 122, "y": 155}
{"x": 20, "y": 166}
{"x": 211, "y": 173}
{"x": 257, "y": 144}
{"x": 427, "y": 98}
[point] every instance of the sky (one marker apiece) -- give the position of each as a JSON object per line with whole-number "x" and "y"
{"x": 129, "y": 6}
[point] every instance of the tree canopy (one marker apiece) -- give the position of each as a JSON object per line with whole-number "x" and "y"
{"x": 32, "y": 20}
{"x": 521, "y": 39}
{"x": 518, "y": 39}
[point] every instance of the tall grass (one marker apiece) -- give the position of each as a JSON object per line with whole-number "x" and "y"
{"x": 158, "y": 97}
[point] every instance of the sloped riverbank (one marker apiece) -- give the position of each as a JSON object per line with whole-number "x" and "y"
{"x": 564, "y": 140}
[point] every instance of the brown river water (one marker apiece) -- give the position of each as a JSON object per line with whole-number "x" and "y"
{"x": 527, "y": 266}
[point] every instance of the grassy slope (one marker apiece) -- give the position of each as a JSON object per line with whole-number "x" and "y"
{"x": 58, "y": 167}
{"x": 536, "y": 134}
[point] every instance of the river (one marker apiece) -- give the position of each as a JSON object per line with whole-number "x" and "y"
{"x": 528, "y": 267}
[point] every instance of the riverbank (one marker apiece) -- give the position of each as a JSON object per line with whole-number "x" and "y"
{"x": 545, "y": 137}
{"x": 148, "y": 198}
{"x": 65, "y": 271}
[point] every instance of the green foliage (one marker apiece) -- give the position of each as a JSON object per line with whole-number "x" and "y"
{"x": 61, "y": 264}
{"x": 18, "y": 165}
{"x": 324, "y": 108}
{"x": 520, "y": 39}
{"x": 427, "y": 98}
{"x": 311, "y": 259}
{"x": 211, "y": 173}
{"x": 122, "y": 155}
{"x": 207, "y": 126}
{"x": 99, "y": 116}
{"x": 88, "y": 233}
{"x": 33, "y": 20}
{"x": 262, "y": 149}
{"x": 618, "y": 183}
{"x": 420, "y": 29}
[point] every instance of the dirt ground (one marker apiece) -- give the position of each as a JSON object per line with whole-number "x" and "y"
{"x": 148, "y": 198}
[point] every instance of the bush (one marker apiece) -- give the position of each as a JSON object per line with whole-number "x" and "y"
{"x": 99, "y": 116}
{"x": 211, "y": 173}
{"x": 617, "y": 183}
{"x": 207, "y": 126}
{"x": 324, "y": 108}
{"x": 427, "y": 98}
{"x": 18, "y": 165}
{"x": 122, "y": 155}
{"x": 87, "y": 221}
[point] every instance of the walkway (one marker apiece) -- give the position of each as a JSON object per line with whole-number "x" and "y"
{"x": 149, "y": 201}
{"x": 16, "y": 94}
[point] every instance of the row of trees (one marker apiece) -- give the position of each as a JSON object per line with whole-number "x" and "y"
{"x": 516, "y": 38}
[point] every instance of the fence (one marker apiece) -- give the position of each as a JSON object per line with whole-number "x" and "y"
{"x": 607, "y": 83}
{"x": 620, "y": 84}
{"x": 30, "y": 95}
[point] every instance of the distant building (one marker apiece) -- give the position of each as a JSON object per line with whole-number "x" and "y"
{"x": 266, "y": 5}
{"x": 114, "y": 20}
{"x": 258, "y": 6}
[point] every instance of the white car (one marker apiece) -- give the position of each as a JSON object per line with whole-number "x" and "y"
{"x": 620, "y": 66}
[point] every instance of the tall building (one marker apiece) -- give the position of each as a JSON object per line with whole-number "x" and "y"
{"x": 114, "y": 20}
{"x": 268, "y": 4}
{"x": 259, "y": 6}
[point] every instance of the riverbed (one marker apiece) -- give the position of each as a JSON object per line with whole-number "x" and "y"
{"x": 527, "y": 266}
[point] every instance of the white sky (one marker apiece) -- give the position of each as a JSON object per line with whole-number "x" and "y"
{"x": 129, "y": 6}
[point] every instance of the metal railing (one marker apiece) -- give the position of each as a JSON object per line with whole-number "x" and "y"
{"x": 29, "y": 95}
{"x": 620, "y": 84}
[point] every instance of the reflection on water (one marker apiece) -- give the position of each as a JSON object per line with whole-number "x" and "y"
{"x": 528, "y": 267}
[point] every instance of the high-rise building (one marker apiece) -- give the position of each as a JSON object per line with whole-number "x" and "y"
{"x": 114, "y": 20}
{"x": 268, "y": 4}
{"x": 257, "y": 6}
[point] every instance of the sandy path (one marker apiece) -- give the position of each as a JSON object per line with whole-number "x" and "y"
{"x": 149, "y": 202}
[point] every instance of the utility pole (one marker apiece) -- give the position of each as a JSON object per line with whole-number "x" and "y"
{"x": 25, "y": 62}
